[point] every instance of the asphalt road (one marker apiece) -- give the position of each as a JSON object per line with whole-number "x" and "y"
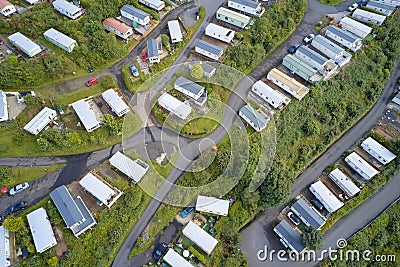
{"x": 259, "y": 233}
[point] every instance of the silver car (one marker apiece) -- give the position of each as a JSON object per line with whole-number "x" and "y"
{"x": 18, "y": 188}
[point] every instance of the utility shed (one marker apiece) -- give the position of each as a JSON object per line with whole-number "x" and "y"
{"x": 120, "y": 29}
{"x": 307, "y": 214}
{"x": 24, "y": 44}
{"x": 344, "y": 182}
{"x": 381, "y": 7}
{"x": 232, "y": 17}
{"x": 73, "y": 211}
{"x": 42, "y": 232}
{"x": 255, "y": 118}
{"x": 175, "y": 106}
{"x": 200, "y": 237}
{"x": 324, "y": 65}
{"x": 59, "y": 39}
{"x": 135, "y": 15}
{"x": 212, "y": 205}
{"x": 355, "y": 27}
{"x": 208, "y": 50}
{"x": 221, "y": 33}
{"x": 115, "y": 101}
{"x": 153, "y": 4}
{"x": 86, "y": 115}
{"x": 302, "y": 69}
{"x": 269, "y": 95}
{"x": 5, "y": 247}
{"x": 253, "y": 8}
{"x": 175, "y": 31}
{"x": 6, "y": 8}
{"x": 359, "y": 165}
{"x": 368, "y": 17}
{"x": 344, "y": 38}
{"x": 174, "y": 259}
{"x": 287, "y": 83}
{"x": 326, "y": 197}
{"x": 189, "y": 88}
{"x": 289, "y": 237}
{"x": 152, "y": 51}
{"x": 3, "y": 106}
{"x": 208, "y": 70}
{"x": 379, "y": 152}
{"x": 97, "y": 188}
{"x": 134, "y": 169}
{"x": 40, "y": 121}
{"x": 331, "y": 50}
{"x": 68, "y": 9}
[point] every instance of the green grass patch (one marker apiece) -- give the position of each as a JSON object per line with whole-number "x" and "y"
{"x": 331, "y": 2}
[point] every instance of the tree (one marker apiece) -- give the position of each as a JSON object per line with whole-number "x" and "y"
{"x": 14, "y": 224}
{"x": 114, "y": 127}
{"x": 312, "y": 238}
{"x": 197, "y": 71}
{"x": 312, "y": 127}
{"x": 53, "y": 261}
{"x": 165, "y": 42}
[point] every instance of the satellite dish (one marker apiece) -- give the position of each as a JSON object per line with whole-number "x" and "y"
{"x": 186, "y": 253}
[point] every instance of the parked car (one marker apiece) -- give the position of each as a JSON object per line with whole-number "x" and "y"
{"x": 144, "y": 56}
{"x": 1, "y": 41}
{"x": 160, "y": 250}
{"x": 90, "y": 69}
{"x": 91, "y": 82}
{"x": 362, "y": 3}
{"x": 317, "y": 204}
{"x": 308, "y": 38}
{"x": 293, "y": 218}
{"x": 134, "y": 70}
{"x": 18, "y": 188}
{"x": 187, "y": 211}
{"x": 293, "y": 48}
{"x": 19, "y": 206}
{"x": 352, "y": 7}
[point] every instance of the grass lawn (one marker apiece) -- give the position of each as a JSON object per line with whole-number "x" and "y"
{"x": 19, "y": 175}
{"x": 331, "y": 2}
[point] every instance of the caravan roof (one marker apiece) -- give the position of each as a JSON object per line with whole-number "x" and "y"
{"x": 97, "y": 188}
{"x": 42, "y": 232}
{"x": 327, "y": 198}
{"x": 200, "y": 237}
{"x": 344, "y": 182}
{"x": 212, "y": 205}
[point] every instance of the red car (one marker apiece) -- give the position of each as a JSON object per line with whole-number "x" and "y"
{"x": 91, "y": 82}
{"x": 144, "y": 56}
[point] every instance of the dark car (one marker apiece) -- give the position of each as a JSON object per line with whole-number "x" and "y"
{"x": 160, "y": 250}
{"x": 186, "y": 211}
{"x": 293, "y": 48}
{"x": 294, "y": 218}
{"x": 317, "y": 204}
{"x": 19, "y": 206}
{"x": 90, "y": 69}
{"x": 362, "y": 3}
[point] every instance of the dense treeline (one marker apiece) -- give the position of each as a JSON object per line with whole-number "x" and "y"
{"x": 270, "y": 30}
{"x": 95, "y": 45}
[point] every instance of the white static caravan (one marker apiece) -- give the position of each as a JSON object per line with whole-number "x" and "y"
{"x": 212, "y": 205}
{"x": 98, "y": 189}
{"x": 86, "y": 115}
{"x": 359, "y": 165}
{"x": 175, "y": 31}
{"x": 208, "y": 50}
{"x": 395, "y": 3}
{"x": 289, "y": 237}
{"x": 355, "y": 27}
{"x": 175, "y": 259}
{"x": 134, "y": 169}
{"x": 153, "y": 51}
{"x": 326, "y": 197}
{"x": 3, "y": 106}
{"x": 59, "y": 39}
{"x": 68, "y": 9}
{"x": 42, "y": 232}
{"x": 189, "y": 88}
{"x": 135, "y": 15}
{"x": 175, "y": 106}
{"x": 153, "y": 4}
{"x": 120, "y": 29}
{"x": 331, "y": 50}
{"x": 6, "y": 8}
{"x": 379, "y": 152}
{"x": 324, "y": 65}
{"x": 221, "y": 33}
{"x": 200, "y": 237}
{"x": 255, "y": 118}
{"x": 40, "y": 121}
{"x": 368, "y": 17}
{"x": 287, "y": 83}
{"x": 269, "y": 95}
{"x": 381, "y": 7}
{"x": 25, "y": 44}
{"x": 344, "y": 182}
{"x": 5, "y": 247}
{"x": 344, "y": 38}
{"x": 253, "y": 8}
{"x": 116, "y": 103}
